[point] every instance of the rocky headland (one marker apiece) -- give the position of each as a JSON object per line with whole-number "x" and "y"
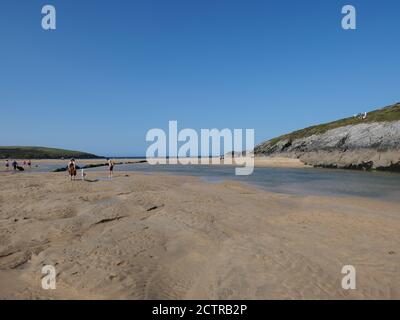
{"x": 366, "y": 141}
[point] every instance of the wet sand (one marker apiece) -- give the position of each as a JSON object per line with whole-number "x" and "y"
{"x": 173, "y": 237}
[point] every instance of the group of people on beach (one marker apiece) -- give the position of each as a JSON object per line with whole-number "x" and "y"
{"x": 72, "y": 169}
{"x": 15, "y": 166}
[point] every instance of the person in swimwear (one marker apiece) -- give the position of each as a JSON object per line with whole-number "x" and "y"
{"x": 110, "y": 168}
{"x": 72, "y": 169}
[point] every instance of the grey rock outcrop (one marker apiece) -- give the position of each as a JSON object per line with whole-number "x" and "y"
{"x": 374, "y": 145}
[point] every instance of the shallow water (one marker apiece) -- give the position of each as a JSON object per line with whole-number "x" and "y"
{"x": 307, "y": 181}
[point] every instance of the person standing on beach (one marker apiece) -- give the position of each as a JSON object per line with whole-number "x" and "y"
{"x": 110, "y": 168}
{"x": 15, "y": 165}
{"x": 29, "y": 163}
{"x": 7, "y": 165}
{"x": 72, "y": 169}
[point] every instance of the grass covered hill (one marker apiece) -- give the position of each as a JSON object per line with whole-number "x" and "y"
{"x": 387, "y": 114}
{"x": 42, "y": 153}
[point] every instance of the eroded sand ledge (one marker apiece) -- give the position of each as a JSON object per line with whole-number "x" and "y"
{"x": 161, "y": 237}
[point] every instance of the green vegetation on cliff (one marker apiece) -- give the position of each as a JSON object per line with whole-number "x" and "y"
{"x": 390, "y": 113}
{"x": 41, "y": 153}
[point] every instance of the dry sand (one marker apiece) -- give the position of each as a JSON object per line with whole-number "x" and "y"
{"x": 273, "y": 162}
{"x": 165, "y": 237}
{"x": 279, "y": 162}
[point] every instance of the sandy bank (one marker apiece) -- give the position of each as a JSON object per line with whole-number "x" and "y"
{"x": 161, "y": 237}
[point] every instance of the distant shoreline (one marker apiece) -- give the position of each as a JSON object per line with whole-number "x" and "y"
{"x": 36, "y": 152}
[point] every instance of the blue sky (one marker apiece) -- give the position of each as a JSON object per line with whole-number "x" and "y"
{"x": 115, "y": 69}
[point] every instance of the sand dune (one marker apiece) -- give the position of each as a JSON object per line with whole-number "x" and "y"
{"x": 164, "y": 237}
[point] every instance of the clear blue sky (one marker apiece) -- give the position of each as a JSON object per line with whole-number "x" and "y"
{"x": 115, "y": 69}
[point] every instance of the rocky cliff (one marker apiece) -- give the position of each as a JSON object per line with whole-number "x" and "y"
{"x": 360, "y": 142}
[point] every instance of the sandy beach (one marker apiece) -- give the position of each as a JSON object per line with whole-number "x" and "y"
{"x": 279, "y": 162}
{"x": 272, "y": 162}
{"x": 167, "y": 237}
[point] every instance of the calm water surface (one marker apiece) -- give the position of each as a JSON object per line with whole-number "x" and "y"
{"x": 292, "y": 181}
{"x": 308, "y": 181}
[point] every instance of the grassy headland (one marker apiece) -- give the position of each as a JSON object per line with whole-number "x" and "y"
{"x": 42, "y": 153}
{"x": 387, "y": 114}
